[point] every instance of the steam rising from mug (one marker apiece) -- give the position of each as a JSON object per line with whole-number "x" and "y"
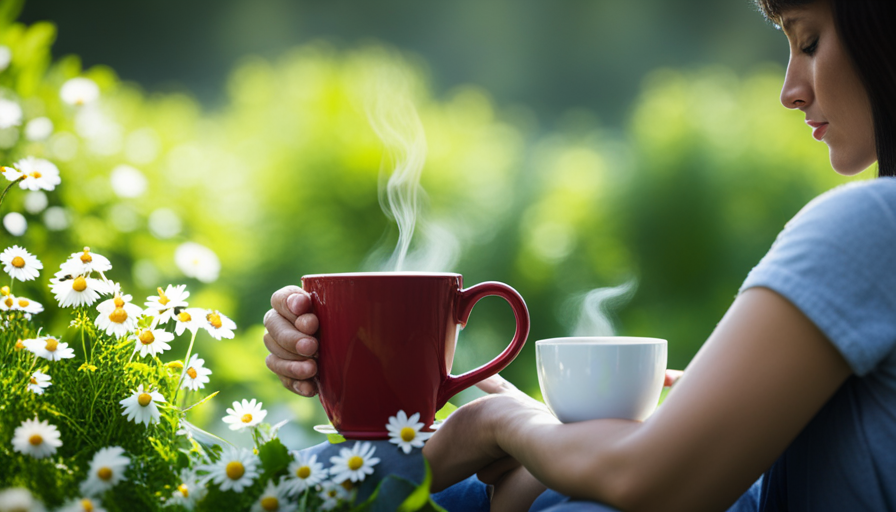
{"x": 393, "y": 117}
{"x": 594, "y": 312}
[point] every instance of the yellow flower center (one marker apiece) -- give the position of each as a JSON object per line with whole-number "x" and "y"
{"x": 184, "y": 490}
{"x": 144, "y": 399}
{"x": 118, "y": 315}
{"x": 23, "y": 303}
{"x": 163, "y": 299}
{"x": 303, "y": 472}
{"x": 408, "y": 434}
{"x": 9, "y": 302}
{"x": 35, "y": 439}
{"x": 183, "y": 316}
{"x": 86, "y": 257}
{"x": 87, "y": 505}
{"x": 19, "y": 344}
{"x": 51, "y": 345}
{"x": 191, "y": 372}
{"x": 18, "y": 262}
{"x": 347, "y": 485}
{"x": 104, "y": 473}
{"x": 355, "y": 463}
{"x": 235, "y": 470}
{"x": 331, "y": 493}
{"x": 79, "y": 284}
{"x": 33, "y": 380}
{"x": 215, "y": 320}
{"x": 146, "y": 337}
{"x": 118, "y": 301}
{"x": 36, "y": 174}
{"x": 4, "y": 291}
{"x": 247, "y": 418}
{"x": 270, "y": 503}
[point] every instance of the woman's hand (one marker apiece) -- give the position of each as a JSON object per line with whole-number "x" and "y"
{"x": 290, "y": 327}
{"x": 467, "y": 444}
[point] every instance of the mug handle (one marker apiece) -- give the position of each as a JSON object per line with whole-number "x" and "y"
{"x": 468, "y": 298}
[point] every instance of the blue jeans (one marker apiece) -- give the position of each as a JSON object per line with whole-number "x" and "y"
{"x": 471, "y": 496}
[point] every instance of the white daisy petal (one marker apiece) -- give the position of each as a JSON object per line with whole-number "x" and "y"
{"x": 405, "y": 432}
{"x": 304, "y": 472}
{"x": 36, "y": 438}
{"x": 20, "y": 264}
{"x": 141, "y": 406}
{"x": 353, "y": 464}
{"x": 245, "y": 414}
{"x": 235, "y": 470}
{"x": 106, "y": 471}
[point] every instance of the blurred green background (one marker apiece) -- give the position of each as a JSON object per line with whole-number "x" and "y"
{"x": 572, "y": 146}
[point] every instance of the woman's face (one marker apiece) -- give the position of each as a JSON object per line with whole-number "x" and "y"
{"x": 822, "y": 82}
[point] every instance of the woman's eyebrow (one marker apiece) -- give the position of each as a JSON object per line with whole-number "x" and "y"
{"x": 788, "y": 22}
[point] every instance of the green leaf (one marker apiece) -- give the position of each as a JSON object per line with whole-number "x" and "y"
{"x": 206, "y": 399}
{"x": 446, "y": 411}
{"x": 420, "y": 496}
{"x": 335, "y": 438}
{"x": 274, "y": 457}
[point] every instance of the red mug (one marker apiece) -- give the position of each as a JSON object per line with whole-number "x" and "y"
{"x": 387, "y": 342}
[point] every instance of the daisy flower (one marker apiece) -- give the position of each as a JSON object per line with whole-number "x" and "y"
{"x": 20, "y": 264}
{"x": 10, "y": 114}
{"x": 152, "y": 341}
{"x": 38, "y": 382}
{"x": 189, "y": 491}
{"x": 38, "y": 173}
{"x": 49, "y": 348}
{"x": 198, "y": 261}
{"x": 273, "y": 498}
{"x": 118, "y": 316}
{"x": 218, "y": 325}
{"x": 305, "y": 472}
{"x": 36, "y": 438}
{"x": 196, "y": 374}
{"x": 77, "y": 290}
{"x": 106, "y": 470}
{"x": 236, "y": 469}
{"x": 28, "y": 306}
{"x": 19, "y": 499}
{"x": 79, "y": 91}
{"x": 163, "y": 305}
{"x": 82, "y": 505}
{"x": 83, "y": 263}
{"x": 39, "y": 128}
{"x": 141, "y": 406}
{"x": 8, "y": 302}
{"x": 405, "y": 432}
{"x": 189, "y": 319}
{"x": 245, "y": 414}
{"x": 353, "y": 464}
{"x": 332, "y": 494}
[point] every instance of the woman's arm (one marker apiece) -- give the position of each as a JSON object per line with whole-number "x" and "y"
{"x": 760, "y": 378}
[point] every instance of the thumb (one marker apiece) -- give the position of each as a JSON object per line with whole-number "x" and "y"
{"x": 496, "y": 384}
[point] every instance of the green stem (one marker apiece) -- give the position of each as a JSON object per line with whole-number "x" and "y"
{"x": 2, "y": 196}
{"x": 184, "y": 371}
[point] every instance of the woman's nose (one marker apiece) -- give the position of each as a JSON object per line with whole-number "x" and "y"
{"x": 797, "y": 89}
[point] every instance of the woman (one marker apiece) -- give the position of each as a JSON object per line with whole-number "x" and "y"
{"x": 796, "y": 386}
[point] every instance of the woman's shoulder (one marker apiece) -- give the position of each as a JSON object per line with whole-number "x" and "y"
{"x": 855, "y": 202}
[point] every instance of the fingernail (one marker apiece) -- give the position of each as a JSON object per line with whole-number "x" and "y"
{"x": 292, "y": 302}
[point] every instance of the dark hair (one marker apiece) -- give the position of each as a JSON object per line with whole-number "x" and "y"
{"x": 866, "y": 28}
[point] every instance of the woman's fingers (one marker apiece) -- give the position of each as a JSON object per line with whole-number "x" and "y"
{"x": 296, "y": 370}
{"x": 291, "y": 302}
{"x": 286, "y": 336}
{"x": 301, "y": 387}
{"x": 672, "y": 377}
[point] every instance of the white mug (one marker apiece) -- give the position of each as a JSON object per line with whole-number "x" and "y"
{"x": 587, "y": 378}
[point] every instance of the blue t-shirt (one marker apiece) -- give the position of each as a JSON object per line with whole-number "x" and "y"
{"x": 836, "y": 262}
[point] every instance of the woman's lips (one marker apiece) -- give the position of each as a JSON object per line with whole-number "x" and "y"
{"x": 819, "y": 129}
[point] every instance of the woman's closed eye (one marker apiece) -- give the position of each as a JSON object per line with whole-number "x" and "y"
{"x": 810, "y": 50}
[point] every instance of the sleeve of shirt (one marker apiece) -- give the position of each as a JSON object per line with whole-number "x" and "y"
{"x": 836, "y": 262}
